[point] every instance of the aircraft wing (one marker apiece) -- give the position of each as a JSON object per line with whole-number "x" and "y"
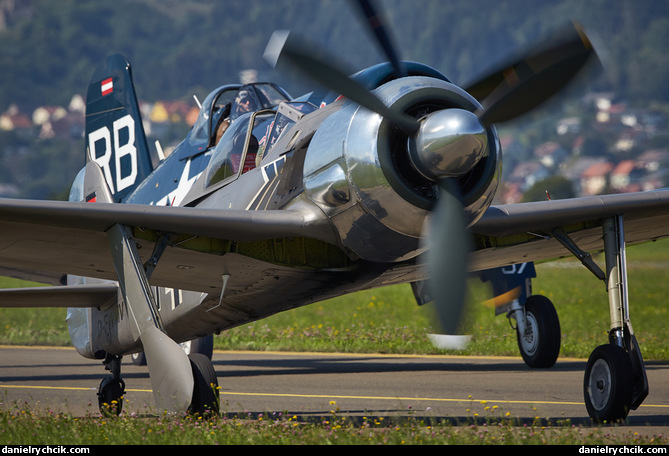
{"x": 523, "y": 232}
{"x": 69, "y": 237}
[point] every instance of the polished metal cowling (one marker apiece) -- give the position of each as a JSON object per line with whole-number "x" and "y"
{"x": 361, "y": 172}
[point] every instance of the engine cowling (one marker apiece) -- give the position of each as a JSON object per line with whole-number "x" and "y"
{"x": 366, "y": 175}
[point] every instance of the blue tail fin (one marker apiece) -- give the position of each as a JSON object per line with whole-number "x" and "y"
{"x": 115, "y": 137}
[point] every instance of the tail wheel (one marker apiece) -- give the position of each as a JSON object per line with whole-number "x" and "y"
{"x": 540, "y": 342}
{"x": 205, "y": 389}
{"x": 608, "y": 384}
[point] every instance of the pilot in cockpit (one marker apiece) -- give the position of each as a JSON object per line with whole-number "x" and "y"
{"x": 246, "y": 101}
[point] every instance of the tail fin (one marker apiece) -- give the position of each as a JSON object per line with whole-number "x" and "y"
{"x": 115, "y": 137}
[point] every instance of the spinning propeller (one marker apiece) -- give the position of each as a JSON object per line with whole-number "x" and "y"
{"x": 448, "y": 143}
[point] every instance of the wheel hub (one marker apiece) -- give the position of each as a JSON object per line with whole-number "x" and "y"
{"x": 600, "y": 384}
{"x": 529, "y": 338}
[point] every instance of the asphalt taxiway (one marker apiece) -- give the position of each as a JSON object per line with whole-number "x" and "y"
{"x": 314, "y": 384}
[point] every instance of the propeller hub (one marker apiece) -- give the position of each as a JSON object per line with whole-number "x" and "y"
{"x": 449, "y": 143}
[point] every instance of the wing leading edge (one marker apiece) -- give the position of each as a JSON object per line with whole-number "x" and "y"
{"x": 237, "y": 225}
{"x": 69, "y": 237}
{"x": 523, "y": 232}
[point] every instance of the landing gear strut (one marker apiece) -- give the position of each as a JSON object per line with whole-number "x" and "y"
{"x": 171, "y": 372}
{"x": 205, "y": 398}
{"x": 615, "y": 377}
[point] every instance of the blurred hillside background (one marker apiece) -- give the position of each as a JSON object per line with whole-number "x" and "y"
{"x": 608, "y": 135}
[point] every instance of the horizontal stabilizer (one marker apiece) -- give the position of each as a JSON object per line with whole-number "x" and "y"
{"x": 94, "y": 295}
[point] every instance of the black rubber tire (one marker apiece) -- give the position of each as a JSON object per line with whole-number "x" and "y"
{"x": 110, "y": 396}
{"x": 203, "y": 345}
{"x": 205, "y": 389}
{"x": 540, "y": 346}
{"x": 608, "y": 384}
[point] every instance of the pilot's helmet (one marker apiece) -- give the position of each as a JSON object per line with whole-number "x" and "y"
{"x": 245, "y": 101}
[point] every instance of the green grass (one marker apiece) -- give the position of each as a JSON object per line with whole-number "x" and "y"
{"x": 22, "y": 424}
{"x": 387, "y": 320}
{"x": 31, "y": 326}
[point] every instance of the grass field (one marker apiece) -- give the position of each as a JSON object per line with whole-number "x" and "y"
{"x": 382, "y": 321}
{"x": 25, "y": 425}
{"x": 387, "y": 320}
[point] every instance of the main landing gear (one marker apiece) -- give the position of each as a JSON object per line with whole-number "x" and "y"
{"x": 537, "y": 331}
{"x": 615, "y": 378}
{"x": 536, "y": 321}
{"x": 205, "y": 398}
{"x": 180, "y": 382}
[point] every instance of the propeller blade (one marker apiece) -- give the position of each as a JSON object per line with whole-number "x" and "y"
{"x": 447, "y": 257}
{"x": 521, "y": 86}
{"x": 288, "y": 48}
{"x": 507, "y": 93}
{"x": 376, "y": 25}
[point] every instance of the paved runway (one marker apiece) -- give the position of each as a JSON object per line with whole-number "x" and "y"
{"x": 317, "y": 384}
